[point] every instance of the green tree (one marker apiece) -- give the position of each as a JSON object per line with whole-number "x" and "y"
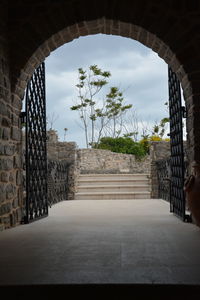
{"x": 99, "y": 115}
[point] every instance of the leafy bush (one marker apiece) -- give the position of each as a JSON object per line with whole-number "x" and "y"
{"x": 122, "y": 145}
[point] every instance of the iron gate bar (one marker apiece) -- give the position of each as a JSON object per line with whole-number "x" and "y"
{"x": 176, "y": 112}
{"x": 163, "y": 172}
{"x": 36, "y": 150}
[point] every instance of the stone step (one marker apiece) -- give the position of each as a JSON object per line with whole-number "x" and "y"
{"x": 104, "y": 181}
{"x": 112, "y": 195}
{"x": 113, "y": 188}
{"x": 84, "y": 177}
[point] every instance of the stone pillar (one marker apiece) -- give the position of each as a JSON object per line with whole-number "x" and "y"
{"x": 193, "y": 130}
{"x": 10, "y": 136}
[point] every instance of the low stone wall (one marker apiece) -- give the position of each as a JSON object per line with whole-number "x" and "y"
{"x": 158, "y": 151}
{"x": 66, "y": 152}
{"x": 105, "y": 161}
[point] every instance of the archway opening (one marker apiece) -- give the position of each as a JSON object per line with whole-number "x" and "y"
{"x": 144, "y": 132}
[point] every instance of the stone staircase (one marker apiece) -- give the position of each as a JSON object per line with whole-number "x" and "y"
{"x": 113, "y": 186}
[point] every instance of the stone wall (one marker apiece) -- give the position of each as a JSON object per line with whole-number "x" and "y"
{"x": 64, "y": 151}
{"x": 158, "y": 150}
{"x": 105, "y": 161}
{"x": 10, "y": 137}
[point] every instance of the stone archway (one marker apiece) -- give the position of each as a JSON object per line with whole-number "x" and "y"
{"x": 35, "y": 29}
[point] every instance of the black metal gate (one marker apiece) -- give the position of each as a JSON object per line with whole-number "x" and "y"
{"x": 36, "y": 205}
{"x": 176, "y": 114}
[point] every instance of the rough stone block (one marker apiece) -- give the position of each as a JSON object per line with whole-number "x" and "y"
{"x": 10, "y": 191}
{"x": 21, "y": 193}
{"x": 17, "y": 161}
{"x": 9, "y": 150}
{"x": 16, "y": 102}
{"x": 6, "y": 133}
{"x": 11, "y": 177}
{"x": 19, "y": 177}
{"x": 15, "y": 120}
{"x": 5, "y": 208}
{"x": 1, "y": 149}
{"x": 15, "y": 203}
{"x": 2, "y": 192}
{"x": 3, "y": 109}
{"x": 6, "y": 164}
{"x": 4, "y": 176}
{"x": 5, "y": 122}
{"x": 16, "y": 134}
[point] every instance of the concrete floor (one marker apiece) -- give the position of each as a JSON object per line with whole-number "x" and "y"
{"x": 123, "y": 241}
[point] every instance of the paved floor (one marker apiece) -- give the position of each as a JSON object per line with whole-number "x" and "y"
{"x": 128, "y": 241}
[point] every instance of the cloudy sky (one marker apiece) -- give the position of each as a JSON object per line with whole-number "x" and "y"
{"x": 135, "y": 68}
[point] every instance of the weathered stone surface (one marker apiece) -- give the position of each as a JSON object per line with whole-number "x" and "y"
{"x": 20, "y": 194}
{"x": 2, "y": 192}
{"x": 15, "y": 203}
{"x": 9, "y": 150}
{"x": 5, "y": 122}
{"x": 4, "y": 176}
{"x": 11, "y": 177}
{"x": 19, "y": 177}
{"x": 6, "y": 164}
{"x": 105, "y": 161}
{"x": 6, "y": 133}
{"x": 3, "y": 109}
{"x": 5, "y": 208}
{"x": 10, "y": 191}
{"x": 16, "y": 134}
{"x": 17, "y": 161}
{"x": 159, "y": 150}
{"x": 15, "y": 120}
{"x": 16, "y": 102}
{"x": 1, "y": 149}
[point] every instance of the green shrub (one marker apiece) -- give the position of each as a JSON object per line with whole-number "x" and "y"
{"x": 122, "y": 145}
